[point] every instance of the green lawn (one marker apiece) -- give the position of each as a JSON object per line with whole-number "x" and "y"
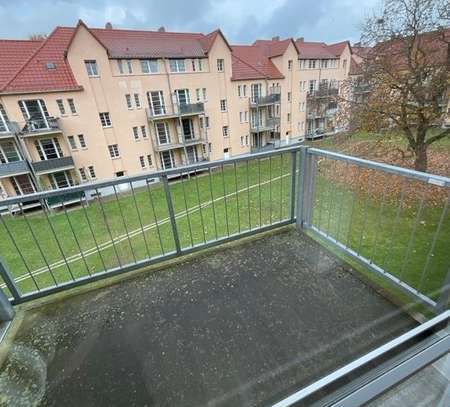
{"x": 214, "y": 205}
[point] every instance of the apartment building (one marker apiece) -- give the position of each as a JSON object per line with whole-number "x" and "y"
{"x": 89, "y": 103}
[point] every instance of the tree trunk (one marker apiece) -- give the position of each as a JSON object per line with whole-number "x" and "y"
{"x": 421, "y": 159}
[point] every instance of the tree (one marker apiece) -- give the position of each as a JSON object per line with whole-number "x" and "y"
{"x": 402, "y": 81}
{"x": 37, "y": 37}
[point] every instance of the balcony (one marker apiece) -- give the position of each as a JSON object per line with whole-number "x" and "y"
{"x": 361, "y": 88}
{"x": 40, "y": 127}
{"x": 270, "y": 124}
{"x": 323, "y": 93}
{"x": 6, "y": 131}
{"x": 179, "y": 142}
{"x": 329, "y": 293}
{"x": 13, "y": 168}
{"x": 265, "y": 100}
{"x": 53, "y": 165}
{"x": 184, "y": 110}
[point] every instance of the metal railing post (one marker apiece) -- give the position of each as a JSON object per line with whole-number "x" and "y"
{"x": 293, "y": 184}
{"x": 173, "y": 221}
{"x": 444, "y": 297}
{"x": 305, "y": 188}
{"x": 10, "y": 283}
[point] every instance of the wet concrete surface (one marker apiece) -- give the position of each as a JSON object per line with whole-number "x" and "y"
{"x": 242, "y": 326}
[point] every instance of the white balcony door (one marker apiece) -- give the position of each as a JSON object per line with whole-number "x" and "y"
{"x": 156, "y": 99}
{"x": 188, "y": 129}
{"x": 162, "y": 132}
{"x": 256, "y": 89}
{"x": 35, "y": 112}
{"x": 167, "y": 160}
{"x": 183, "y": 97}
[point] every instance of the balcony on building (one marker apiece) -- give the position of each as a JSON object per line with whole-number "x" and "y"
{"x": 272, "y": 98}
{"x": 176, "y": 111}
{"x": 41, "y": 127}
{"x": 6, "y": 130}
{"x": 180, "y": 141}
{"x": 269, "y": 124}
{"x": 323, "y": 92}
{"x": 13, "y": 168}
{"x": 53, "y": 165}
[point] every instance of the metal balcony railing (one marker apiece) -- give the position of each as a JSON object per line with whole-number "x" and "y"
{"x": 265, "y": 100}
{"x": 34, "y": 127}
{"x": 52, "y": 165}
{"x": 169, "y": 111}
{"x": 268, "y": 124}
{"x": 13, "y": 168}
{"x": 323, "y": 92}
{"x": 179, "y": 141}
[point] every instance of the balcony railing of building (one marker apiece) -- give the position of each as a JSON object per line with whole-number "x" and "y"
{"x": 265, "y": 100}
{"x": 6, "y": 130}
{"x": 323, "y": 92}
{"x": 180, "y": 141}
{"x": 177, "y": 110}
{"x": 269, "y": 124}
{"x": 361, "y": 88}
{"x": 13, "y": 168}
{"x": 52, "y": 165}
{"x": 38, "y": 127}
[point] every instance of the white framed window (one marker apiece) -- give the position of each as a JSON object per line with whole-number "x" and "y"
{"x": 312, "y": 86}
{"x": 223, "y": 105}
{"x": 129, "y": 102}
{"x": 149, "y": 66}
{"x": 242, "y": 141}
{"x": 344, "y": 64}
{"x": 244, "y": 91}
{"x": 302, "y": 63}
{"x": 136, "y": 132}
{"x": 120, "y": 66}
{"x": 48, "y": 149}
{"x": 177, "y": 65}
{"x": 144, "y": 131}
{"x": 210, "y": 147}
{"x": 256, "y": 91}
{"x": 198, "y": 95}
{"x": 72, "y": 107}
{"x": 82, "y": 173}
{"x": 220, "y": 65}
{"x": 197, "y": 65}
{"x": 9, "y": 152}
{"x": 246, "y": 139}
{"x": 166, "y": 159}
{"x": 156, "y": 102}
{"x": 105, "y": 119}
{"x": 289, "y": 96}
{"x": 150, "y": 160}
{"x": 3, "y": 120}
{"x": 72, "y": 142}
{"x": 162, "y": 132}
{"x": 246, "y": 116}
{"x": 289, "y": 117}
{"x": 137, "y": 101}
{"x": 82, "y": 141}
{"x": 225, "y": 131}
{"x": 114, "y": 150}
{"x": 240, "y": 91}
{"x": 91, "y": 67}
{"x": 61, "y": 179}
{"x": 207, "y": 122}
{"x": 130, "y": 66}
{"x": 324, "y": 63}
{"x": 204, "y": 94}
{"x": 61, "y": 107}
{"x": 290, "y": 65}
{"x": 312, "y": 64}
{"x": 142, "y": 162}
{"x": 91, "y": 170}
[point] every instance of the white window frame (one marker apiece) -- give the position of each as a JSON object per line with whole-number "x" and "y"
{"x": 129, "y": 101}
{"x": 137, "y": 101}
{"x": 72, "y": 142}
{"x": 61, "y": 107}
{"x": 220, "y": 65}
{"x": 177, "y": 65}
{"x": 3, "y": 120}
{"x": 160, "y": 97}
{"x": 148, "y": 66}
{"x": 92, "y": 173}
{"x": 114, "y": 152}
{"x": 105, "y": 119}
{"x": 166, "y": 133}
{"x": 82, "y": 141}
{"x": 223, "y": 105}
{"x": 91, "y": 68}
{"x": 72, "y": 107}
{"x": 135, "y": 130}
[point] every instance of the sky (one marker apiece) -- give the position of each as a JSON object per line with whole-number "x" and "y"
{"x": 241, "y": 21}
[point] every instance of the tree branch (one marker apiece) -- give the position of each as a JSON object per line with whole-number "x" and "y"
{"x": 437, "y": 137}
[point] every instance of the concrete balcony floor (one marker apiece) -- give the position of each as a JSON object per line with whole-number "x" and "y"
{"x": 240, "y": 325}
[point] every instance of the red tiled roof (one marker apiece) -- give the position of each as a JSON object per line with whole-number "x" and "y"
{"x": 273, "y": 48}
{"x": 34, "y": 75}
{"x": 338, "y": 48}
{"x": 13, "y": 54}
{"x": 308, "y": 49}
{"x": 250, "y": 62}
{"x": 154, "y": 44}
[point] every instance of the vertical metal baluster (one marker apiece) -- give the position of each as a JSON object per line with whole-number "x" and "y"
{"x": 92, "y": 233}
{"x": 366, "y": 204}
{"x": 259, "y": 192}
{"x": 378, "y": 223}
{"x": 332, "y": 193}
{"x": 394, "y": 225}
{"x": 433, "y": 243}
{"x": 107, "y": 227}
{"x": 237, "y": 198}
{"x": 187, "y": 211}
{"x": 270, "y": 188}
{"x": 172, "y": 216}
{"x": 200, "y": 206}
{"x": 212, "y": 201}
{"x": 124, "y": 223}
{"x": 74, "y": 235}
{"x": 20, "y": 252}
{"x": 155, "y": 217}
{"x": 412, "y": 238}
{"x": 350, "y": 223}
{"x": 225, "y": 199}
{"x": 281, "y": 186}
{"x": 248, "y": 198}
{"x": 56, "y": 239}
{"x": 341, "y": 206}
{"x": 140, "y": 219}
{"x": 319, "y": 219}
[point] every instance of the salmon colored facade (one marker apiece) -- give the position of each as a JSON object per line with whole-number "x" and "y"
{"x": 101, "y": 103}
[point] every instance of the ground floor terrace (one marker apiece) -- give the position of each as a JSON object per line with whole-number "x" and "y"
{"x": 253, "y": 281}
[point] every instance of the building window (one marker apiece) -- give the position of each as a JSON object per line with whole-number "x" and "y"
{"x": 22, "y": 184}
{"x": 289, "y": 96}
{"x": 246, "y": 139}
{"x": 130, "y": 66}
{"x": 197, "y": 65}
{"x": 240, "y": 90}
{"x": 241, "y": 117}
{"x": 72, "y": 107}
{"x": 312, "y": 86}
{"x": 246, "y": 116}
{"x": 204, "y": 94}
{"x": 61, "y": 179}
{"x": 290, "y": 65}
{"x": 225, "y": 131}
{"x": 324, "y": 63}
{"x": 136, "y": 133}
{"x": 129, "y": 103}
{"x": 61, "y": 107}
{"x": 149, "y": 66}
{"x": 223, "y": 105}
{"x": 72, "y": 142}
{"x": 120, "y": 174}
{"x": 289, "y": 117}
{"x": 344, "y": 64}
{"x": 91, "y": 67}
{"x": 220, "y": 65}
{"x": 48, "y": 148}
{"x": 242, "y": 141}
{"x": 144, "y": 132}
{"x": 302, "y": 63}
{"x": 256, "y": 92}
{"x": 105, "y": 119}
{"x": 92, "y": 172}
{"x": 120, "y": 66}
{"x": 207, "y": 122}
{"x": 3, "y": 120}
{"x": 142, "y": 161}
{"x": 114, "y": 150}
{"x": 83, "y": 175}
{"x": 82, "y": 141}
{"x": 137, "y": 101}
{"x": 177, "y": 65}
{"x": 156, "y": 102}
{"x": 166, "y": 159}
{"x": 312, "y": 64}
{"x": 9, "y": 152}
{"x": 149, "y": 159}
{"x": 162, "y": 131}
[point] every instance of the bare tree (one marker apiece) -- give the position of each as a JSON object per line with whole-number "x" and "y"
{"x": 37, "y": 37}
{"x": 403, "y": 76}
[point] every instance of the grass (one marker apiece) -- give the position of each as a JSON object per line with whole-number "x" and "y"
{"x": 218, "y": 204}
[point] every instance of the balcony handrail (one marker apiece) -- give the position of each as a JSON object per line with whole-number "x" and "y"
{"x": 178, "y": 109}
{"x": 267, "y": 99}
{"x": 39, "y": 125}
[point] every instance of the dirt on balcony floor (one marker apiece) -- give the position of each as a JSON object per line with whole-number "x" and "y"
{"x": 242, "y": 325}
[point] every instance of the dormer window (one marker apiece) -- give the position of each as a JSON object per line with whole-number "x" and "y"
{"x": 51, "y": 65}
